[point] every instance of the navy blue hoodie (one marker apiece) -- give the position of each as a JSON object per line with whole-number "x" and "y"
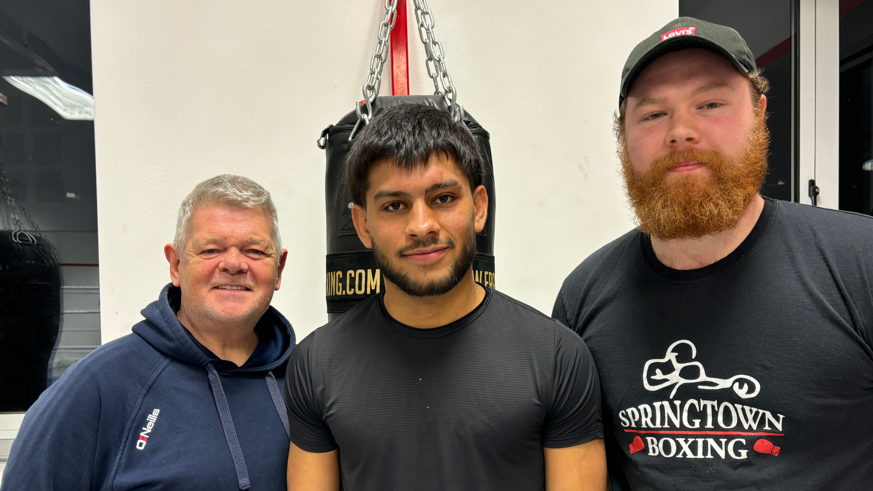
{"x": 157, "y": 410}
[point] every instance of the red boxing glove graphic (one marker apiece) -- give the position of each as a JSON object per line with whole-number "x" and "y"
{"x": 764, "y": 446}
{"x": 637, "y": 445}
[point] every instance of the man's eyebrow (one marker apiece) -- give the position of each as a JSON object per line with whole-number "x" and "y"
{"x": 202, "y": 241}
{"x": 652, "y": 100}
{"x": 216, "y": 239}
{"x": 402, "y": 194}
{"x": 649, "y": 101}
{"x": 258, "y": 241}
{"x": 707, "y": 87}
{"x": 440, "y": 185}
{"x": 390, "y": 194}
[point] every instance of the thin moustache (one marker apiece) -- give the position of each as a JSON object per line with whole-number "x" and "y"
{"x": 449, "y": 244}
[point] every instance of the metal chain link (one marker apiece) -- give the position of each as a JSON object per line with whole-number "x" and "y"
{"x": 436, "y": 59}
{"x": 373, "y": 84}
{"x": 436, "y": 64}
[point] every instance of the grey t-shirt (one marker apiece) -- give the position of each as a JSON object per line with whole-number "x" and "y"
{"x": 469, "y": 405}
{"x": 755, "y": 372}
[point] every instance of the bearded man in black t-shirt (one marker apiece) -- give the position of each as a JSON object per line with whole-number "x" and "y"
{"x": 439, "y": 383}
{"x": 732, "y": 333}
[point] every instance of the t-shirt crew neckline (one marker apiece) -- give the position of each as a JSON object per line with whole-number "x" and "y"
{"x": 435, "y": 332}
{"x": 759, "y": 231}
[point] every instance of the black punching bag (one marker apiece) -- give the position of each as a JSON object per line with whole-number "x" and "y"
{"x": 352, "y": 274}
{"x": 30, "y": 304}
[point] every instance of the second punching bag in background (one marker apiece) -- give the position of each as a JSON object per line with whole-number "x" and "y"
{"x": 352, "y": 274}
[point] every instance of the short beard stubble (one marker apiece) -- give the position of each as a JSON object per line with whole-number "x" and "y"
{"x": 691, "y": 206}
{"x": 429, "y": 287}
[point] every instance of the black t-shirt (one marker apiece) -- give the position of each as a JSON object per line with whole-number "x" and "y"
{"x": 755, "y": 372}
{"x": 469, "y": 405}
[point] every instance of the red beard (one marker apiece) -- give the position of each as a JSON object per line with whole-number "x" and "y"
{"x": 694, "y": 206}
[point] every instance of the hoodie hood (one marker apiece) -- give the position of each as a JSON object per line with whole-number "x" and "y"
{"x": 162, "y": 330}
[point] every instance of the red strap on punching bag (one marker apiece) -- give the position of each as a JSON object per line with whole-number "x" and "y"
{"x": 399, "y": 53}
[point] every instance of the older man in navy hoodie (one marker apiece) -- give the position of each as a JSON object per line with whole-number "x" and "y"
{"x": 191, "y": 399}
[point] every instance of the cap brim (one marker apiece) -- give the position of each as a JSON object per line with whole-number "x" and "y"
{"x": 677, "y": 43}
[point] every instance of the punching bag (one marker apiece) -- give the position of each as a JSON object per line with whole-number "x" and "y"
{"x": 351, "y": 273}
{"x": 30, "y": 304}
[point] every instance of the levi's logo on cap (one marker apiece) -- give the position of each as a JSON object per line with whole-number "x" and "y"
{"x": 682, "y": 31}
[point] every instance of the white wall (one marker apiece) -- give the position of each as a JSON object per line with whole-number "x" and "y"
{"x": 187, "y": 90}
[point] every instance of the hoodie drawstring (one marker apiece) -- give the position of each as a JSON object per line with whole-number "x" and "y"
{"x": 276, "y": 395}
{"x": 239, "y": 462}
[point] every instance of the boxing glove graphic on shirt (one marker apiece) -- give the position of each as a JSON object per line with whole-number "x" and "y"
{"x": 703, "y": 426}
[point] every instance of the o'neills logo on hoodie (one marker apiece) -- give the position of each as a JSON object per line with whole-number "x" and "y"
{"x": 150, "y": 424}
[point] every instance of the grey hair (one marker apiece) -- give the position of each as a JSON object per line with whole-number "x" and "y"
{"x": 229, "y": 191}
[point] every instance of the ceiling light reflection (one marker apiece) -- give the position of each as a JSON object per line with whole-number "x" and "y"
{"x": 68, "y": 101}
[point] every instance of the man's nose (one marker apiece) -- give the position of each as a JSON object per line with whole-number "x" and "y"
{"x": 683, "y": 131}
{"x": 234, "y": 262}
{"x": 422, "y": 221}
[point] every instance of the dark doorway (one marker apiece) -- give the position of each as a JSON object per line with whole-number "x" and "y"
{"x": 856, "y": 106}
{"x": 48, "y": 181}
{"x": 769, "y": 28}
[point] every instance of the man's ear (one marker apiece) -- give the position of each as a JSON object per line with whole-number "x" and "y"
{"x": 763, "y": 105}
{"x": 174, "y": 259}
{"x": 283, "y": 256}
{"x": 480, "y": 204}
{"x": 359, "y": 217}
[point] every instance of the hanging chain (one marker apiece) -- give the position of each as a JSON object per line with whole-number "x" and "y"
{"x": 436, "y": 64}
{"x": 377, "y": 61}
{"x": 436, "y": 59}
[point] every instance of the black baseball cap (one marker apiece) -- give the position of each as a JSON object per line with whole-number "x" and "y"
{"x": 685, "y": 33}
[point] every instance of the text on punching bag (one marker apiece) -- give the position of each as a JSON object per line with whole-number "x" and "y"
{"x": 369, "y": 281}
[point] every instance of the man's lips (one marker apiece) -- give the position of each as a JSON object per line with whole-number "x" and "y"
{"x": 232, "y": 288}
{"x": 688, "y": 166}
{"x": 426, "y": 255}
